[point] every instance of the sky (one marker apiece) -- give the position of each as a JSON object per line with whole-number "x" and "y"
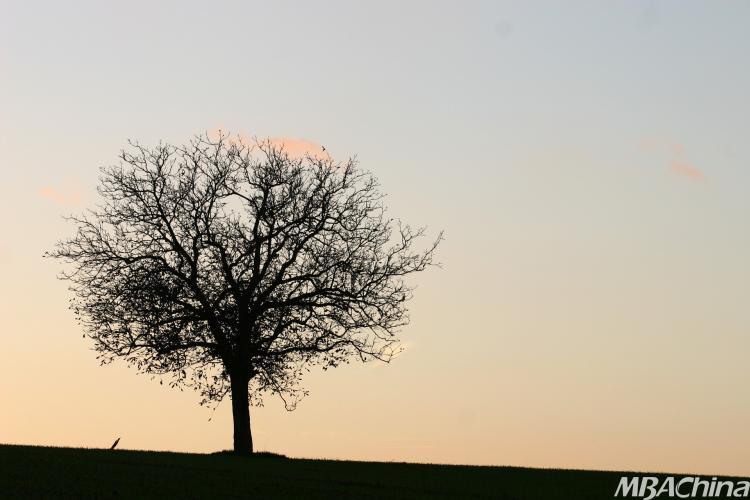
{"x": 588, "y": 162}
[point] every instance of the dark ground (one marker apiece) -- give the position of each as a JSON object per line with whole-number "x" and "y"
{"x": 41, "y": 472}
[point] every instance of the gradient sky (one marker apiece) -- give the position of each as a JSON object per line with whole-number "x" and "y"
{"x": 588, "y": 162}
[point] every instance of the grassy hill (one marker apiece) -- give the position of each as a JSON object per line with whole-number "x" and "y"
{"x": 40, "y": 472}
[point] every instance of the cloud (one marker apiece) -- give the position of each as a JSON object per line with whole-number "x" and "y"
{"x": 658, "y": 146}
{"x": 66, "y": 196}
{"x": 685, "y": 170}
{"x": 299, "y": 148}
{"x": 394, "y": 351}
{"x": 294, "y": 147}
{"x": 675, "y": 154}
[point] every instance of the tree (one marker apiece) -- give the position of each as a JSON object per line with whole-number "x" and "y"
{"x": 232, "y": 268}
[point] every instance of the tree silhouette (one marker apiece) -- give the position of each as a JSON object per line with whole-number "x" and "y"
{"x": 231, "y": 268}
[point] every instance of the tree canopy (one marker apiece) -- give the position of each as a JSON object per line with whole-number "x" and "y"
{"x": 232, "y": 267}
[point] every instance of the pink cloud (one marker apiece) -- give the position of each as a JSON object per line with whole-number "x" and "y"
{"x": 69, "y": 195}
{"x": 654, "y": 145}
{"x": 689, "y": 171}
{"x": 294, "y": 147}
{"x": 299, "y": 148}
{"x": 674, "y": 153}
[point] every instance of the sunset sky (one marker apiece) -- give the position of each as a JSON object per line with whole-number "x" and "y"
{"x": 588, "y": 161}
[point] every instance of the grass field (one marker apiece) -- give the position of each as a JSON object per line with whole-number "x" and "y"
{"x": 41, "y": 472}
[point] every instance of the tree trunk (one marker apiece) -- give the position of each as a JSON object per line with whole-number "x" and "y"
{"x": 243, "y": 438}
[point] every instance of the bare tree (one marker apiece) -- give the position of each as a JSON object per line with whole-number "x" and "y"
{"x": 231, "y": 268}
